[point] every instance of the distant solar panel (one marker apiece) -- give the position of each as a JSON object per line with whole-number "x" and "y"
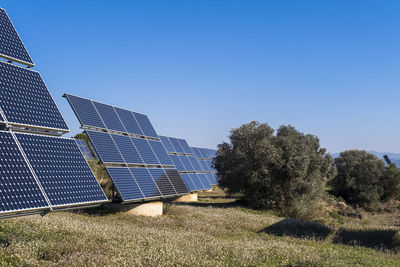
{"x": 18, "y": 189}
{"x": 25, "y": 99}
{"x": 11, "y": 46}
{"x": 177, "y": 146}
{"x": 61, "y": 169}
{"x": 167, "y": 144}
{"x": 126, "y": 140}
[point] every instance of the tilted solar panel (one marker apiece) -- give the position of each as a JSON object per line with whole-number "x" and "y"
{"x": 166, "y": 143}
{"x": 105, "y": 147}
{"x": 160, "y": 152}
{"x": 11, "y": 46}
{"x": 127, "y": 149}
{"x": 185, "y": 146}
{"x": 163, "y": 182}
{"x": 85, "y": 111}
{"x": 188, "y": 182}
{"x": 186, "y": 163}
{"x": 197, "y": 181}
{"x": 177, "y": 162}
{"x": 62, "y": 170}
{"x": 145, "y": 151}
{"x": 129, "y": 121}
{"x": 19, "y": 190}
{"x": 125, "y": 183}
{"x": 84, "y": 148}
{"x": 25, "y": 99}
{"x": 109, "y": 117}
{"x": 176, "y": 181}
{"x": 146, "y": 182}
{"x": 175, "y": 143}
{"x": 145, "y": 125}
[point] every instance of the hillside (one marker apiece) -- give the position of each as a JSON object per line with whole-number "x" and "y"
{"x": 214, "y": 231}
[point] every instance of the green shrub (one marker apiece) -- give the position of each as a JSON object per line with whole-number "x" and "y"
{"x": 285, "y": 171}
{"x": 363, "y": 180}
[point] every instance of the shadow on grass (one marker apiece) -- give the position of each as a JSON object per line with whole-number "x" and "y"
{"x": 221, "y": 204}
{"x": 377, "y": 239}
{"x": 4, "y": 243}
{"x": 297, "y": 228}
{"x": 96, "y": 212}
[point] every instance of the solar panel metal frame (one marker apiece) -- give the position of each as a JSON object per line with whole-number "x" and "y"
{"x": 14, "y": 59}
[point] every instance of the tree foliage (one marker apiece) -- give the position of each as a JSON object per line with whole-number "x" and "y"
{"x": 282, "y": 171}
{"x": 363, "y": 180}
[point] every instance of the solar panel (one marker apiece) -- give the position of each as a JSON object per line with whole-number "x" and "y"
{"x": 18, "y": 189}
{"x": 186, "y": 163}
{"x": 145, "y": 151}
{"x": 85, "y": 111}
{"x": 61, "y": 169}
{"x": 188, "y": 182}
{"x": 145, "y": 125}
{"x": 109, "y": 117}
{"x": 176, "y": 180}
{"x": 146, "y": 182}
{"x": 125, "y": 183}
{"x": 160, "y": 152}
{"x": 127, "y": 149}
{"x": 163, "y": 182}
{"x": 128, "y": 120}
{"x": 105, "y": 147}
{"x": 11, "y": 46}
{"x": 25, "y": 99}
{"x": 167, "y": 144}
{"x": 185, "y": 146}
{"x": 175, "y": 143}
{"x": 197, "y": 181}
{"x": 177, "y": 162}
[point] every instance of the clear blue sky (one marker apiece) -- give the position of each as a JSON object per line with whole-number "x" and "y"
{"x": 200, "y": 68}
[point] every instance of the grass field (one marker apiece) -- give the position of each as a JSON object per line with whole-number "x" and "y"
{"x": 212, "y": 232}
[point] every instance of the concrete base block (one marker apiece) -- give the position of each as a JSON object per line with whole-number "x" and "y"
{"x": 188, "y": 198}
{"x": 209, "y": 190}
{"x": 150, "y": 209}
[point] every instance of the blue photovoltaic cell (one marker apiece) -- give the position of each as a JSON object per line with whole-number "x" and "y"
{"x": 178, "y": 163}
{"x": 145, "y": 125}
{"x": 207, "y": 180}
{"x": 105, "y": 147}
{"x": 197, "y": 182}
{"x": 129, "y": 121}
{"x": 61, "y": 169}
{"x": 188, "y": 181}
{"x": 204, "y": 165}
{"x": 145, "y": 151}
{"x": 175, "y": 143}
{"x": 128, "y": 151}
{"x": 197, "y": 152}
{"x": 185, "y": 146}
{"x": 177, "y": 181}
{"x": 85, "y": 111}
{"x": 109, "y": 117}
{"x": 195, "y": 163}
{"x": 25, "y": 99}
{"x": 204, "y": 153}
{"x": 212, "y": 178}
{"x": 11, "y": 45}
{"x": 167, "y": 144}
{"x": 126, "y": 185}
{"x": 163, "y": 182}
{"x": 146, "y": 182}
{"x": 186, "y": 163}
{"x": 18, "y": 188}
{"x": 160, "y": 152}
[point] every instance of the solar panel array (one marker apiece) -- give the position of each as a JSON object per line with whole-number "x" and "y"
{"x": 38, "y": 172}
{"x": 196, "y": 176}
{"x": 205, "y": 156}
{"x": 127, "y": 144}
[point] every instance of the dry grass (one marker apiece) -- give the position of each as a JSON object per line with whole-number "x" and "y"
{"x": 213, "y": 232}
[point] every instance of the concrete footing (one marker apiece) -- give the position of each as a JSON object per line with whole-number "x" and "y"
{"x": 150, "y": 209}
{"x": 188, "y": 198}
{"x": 209, "y": 190}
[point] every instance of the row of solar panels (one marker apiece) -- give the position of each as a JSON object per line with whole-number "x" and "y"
{"x": 40, "y": 173}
